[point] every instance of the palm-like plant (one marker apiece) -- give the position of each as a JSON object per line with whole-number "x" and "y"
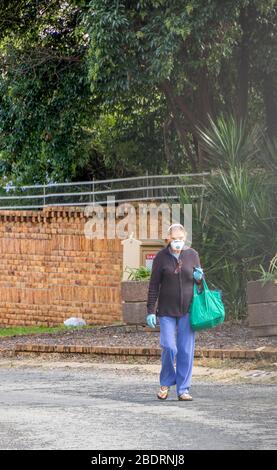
{"x": 268, "y": 152}
{"x": 229, "y": 143}
{"x": 239, "y": 228}
{"x": 240, "y": 207}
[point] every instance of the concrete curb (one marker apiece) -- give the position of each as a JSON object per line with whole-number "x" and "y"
{"x": 248, "y": 354}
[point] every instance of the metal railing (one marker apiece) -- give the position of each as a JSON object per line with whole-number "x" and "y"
{"x": 136, "y": 188}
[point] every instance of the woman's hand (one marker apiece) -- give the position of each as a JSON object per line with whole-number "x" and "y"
{"x": 198, "y": 274}
{"x": 151, "y": 320}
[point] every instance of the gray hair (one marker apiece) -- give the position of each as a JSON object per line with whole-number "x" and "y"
{"x": 175, "y": 226}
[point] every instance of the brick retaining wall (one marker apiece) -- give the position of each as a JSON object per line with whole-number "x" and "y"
{"x": 50, "y": 271}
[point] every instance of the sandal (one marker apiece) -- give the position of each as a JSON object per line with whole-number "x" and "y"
{"x": 185, "y": 397}
{"x": 163, "y": 392}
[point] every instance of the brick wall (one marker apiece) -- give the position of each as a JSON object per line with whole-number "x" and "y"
{"x": 50, "y": 271}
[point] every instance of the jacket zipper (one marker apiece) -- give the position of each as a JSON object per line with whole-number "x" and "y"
{"x": 180, "y": 285}
{"x": 180, "y": 280}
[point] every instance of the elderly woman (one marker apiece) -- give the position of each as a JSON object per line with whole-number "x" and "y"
{"x": 174, "y": 270}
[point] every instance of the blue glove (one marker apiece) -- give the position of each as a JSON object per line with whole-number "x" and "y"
{"x": 151, "y": 320}
{"x": 198, "y": 273}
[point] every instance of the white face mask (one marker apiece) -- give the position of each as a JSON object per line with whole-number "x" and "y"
{"x": 177, "y": 244}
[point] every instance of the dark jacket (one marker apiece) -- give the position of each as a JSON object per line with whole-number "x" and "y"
{"x": 174, "y": 291}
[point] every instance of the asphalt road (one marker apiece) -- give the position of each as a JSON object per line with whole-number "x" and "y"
{"x": 107, "y": 407}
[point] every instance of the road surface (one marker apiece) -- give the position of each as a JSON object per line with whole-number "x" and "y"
{"x": 110, "y": 406}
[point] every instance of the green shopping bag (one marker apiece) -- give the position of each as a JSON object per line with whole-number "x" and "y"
{"x": 206, "y": 309}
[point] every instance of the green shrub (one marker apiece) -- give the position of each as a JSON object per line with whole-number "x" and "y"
{"x": 139, "y": 274}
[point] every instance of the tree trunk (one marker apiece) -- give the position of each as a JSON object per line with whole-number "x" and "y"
{"x": 185, "y": 120}
{"x": 247, "y": 22}
{"x": 270, "y": 102}
{"x": 180, "y": 126}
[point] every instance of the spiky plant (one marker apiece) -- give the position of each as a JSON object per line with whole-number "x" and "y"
{"x": 235, "y": 227}
{"x": 271, "y": 274}
{"x": 229, "y": 143}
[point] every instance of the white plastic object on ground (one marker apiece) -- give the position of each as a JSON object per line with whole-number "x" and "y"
{"x": 74, "y": 321}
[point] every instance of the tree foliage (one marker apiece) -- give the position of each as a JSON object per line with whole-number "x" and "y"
{"x": 106, "y": 88}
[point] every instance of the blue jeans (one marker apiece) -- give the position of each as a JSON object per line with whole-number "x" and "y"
{"x": 182, "y": 348}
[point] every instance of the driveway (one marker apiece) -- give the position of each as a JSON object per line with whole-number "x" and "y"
{"x": 74, "y": 405}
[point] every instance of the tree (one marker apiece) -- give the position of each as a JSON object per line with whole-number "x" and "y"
{"x": 200, "y": 55}
{"x": 106, "y": 88}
